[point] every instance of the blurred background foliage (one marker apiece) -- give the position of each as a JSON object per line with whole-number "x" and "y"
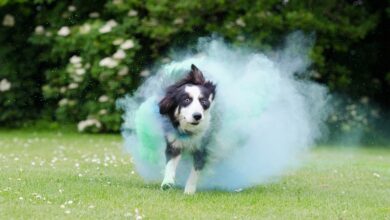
{"x": 68, "y": 61}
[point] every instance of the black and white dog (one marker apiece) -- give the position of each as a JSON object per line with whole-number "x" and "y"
{"x": 187, "y": 106}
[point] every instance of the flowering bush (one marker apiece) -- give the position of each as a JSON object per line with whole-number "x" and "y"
{"x": 20, "y": 81}
{"x": 98, "y": 65}
{"x": 70, "y": 61}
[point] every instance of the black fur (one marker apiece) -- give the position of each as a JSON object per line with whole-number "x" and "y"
{"x": 199, "y": 158}
{"x": 171, "y": 152}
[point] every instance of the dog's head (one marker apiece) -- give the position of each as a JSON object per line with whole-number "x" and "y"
{"x": 187, "y": 102}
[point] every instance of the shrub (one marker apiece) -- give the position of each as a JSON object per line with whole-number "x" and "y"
{"x": 20, "y": 78}
{"x": 83, "y": 55}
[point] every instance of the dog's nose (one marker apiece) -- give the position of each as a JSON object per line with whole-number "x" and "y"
{"x": 197, "y": 116}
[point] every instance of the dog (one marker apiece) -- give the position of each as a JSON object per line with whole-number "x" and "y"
{"x": 186, "y": 105}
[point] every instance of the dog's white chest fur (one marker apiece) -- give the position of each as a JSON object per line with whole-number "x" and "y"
{"x": 189, "y": 142}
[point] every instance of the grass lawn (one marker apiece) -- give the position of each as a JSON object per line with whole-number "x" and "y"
{"x": 54, "y": 175}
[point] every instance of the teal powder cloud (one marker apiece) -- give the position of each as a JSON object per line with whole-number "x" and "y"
{"x": 265, "y": 115}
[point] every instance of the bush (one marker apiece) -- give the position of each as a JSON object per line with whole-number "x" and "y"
{"x": 20, "y": 78}
{"x": 83, "y": 55}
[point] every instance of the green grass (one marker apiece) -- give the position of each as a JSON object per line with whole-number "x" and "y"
{"x": 54, "y": 175}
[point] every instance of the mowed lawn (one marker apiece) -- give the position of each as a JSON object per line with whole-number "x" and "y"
{"x": 65, "y": 175}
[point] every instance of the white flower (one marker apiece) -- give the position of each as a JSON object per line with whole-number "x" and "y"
{"x": 80, "y": 71}
{"x": 64, "y": 31}
{"x": 240, "y": 38}
{"x": 103, "y": 98}
{"x": 103, "y": 112}
{"x": 316, "y": 75}
{"x": 364, "y": 100}
{"x": 72, "y": 8}
{"x": 240, "y": 22}
{"x": 63, "y": 89}
{"x": 112, "y": 23}
{"x": 119, "y": 55}
{"x": 8, "y": 20}
{"x": 85, "y": 29}
{"x": 39, "y": 30}
{"x": 145, "y": 73}
{"x": 5, "y": 85}
{"x": 108, "y": 26}
{"x": 128, "y": 44}
{"x": 178, "y": 21}
{"x": 108, "y": 62}
{"x": 88, "y": 123}
{"x": 75, "y": 59}
{"x": 78, "y": 65}
{"x": 132, "y": 13}
{"x": 73, "y": 86}
{"x": 105, "y": 29}
{"x": 117, "y": 41}
{"x": 94, "y": 15}
{"x": 123, "y": 71}
{"x": 63, "y": 102}
{"x": 166, "y": 60}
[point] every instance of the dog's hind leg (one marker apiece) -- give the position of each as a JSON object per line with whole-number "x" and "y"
{"x": 199, "y": 158}
{"x": 173, "y": 157}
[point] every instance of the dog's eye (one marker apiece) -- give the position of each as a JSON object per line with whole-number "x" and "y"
{"x": 187, "y": 100}
{"x": 204, "y": 102}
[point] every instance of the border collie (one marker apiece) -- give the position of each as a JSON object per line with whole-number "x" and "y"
{"x": 187, "y": 106}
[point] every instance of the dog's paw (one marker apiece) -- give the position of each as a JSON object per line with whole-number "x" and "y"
{"x": 190, "y": 189}
{"x": 167, "y": 185}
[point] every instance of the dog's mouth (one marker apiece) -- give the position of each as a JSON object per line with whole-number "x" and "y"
{"x": 195, "y": 123}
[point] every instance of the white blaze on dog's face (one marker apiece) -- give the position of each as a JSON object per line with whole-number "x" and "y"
{"x": 192, "y": 112}
{"x": 188, "y": 101}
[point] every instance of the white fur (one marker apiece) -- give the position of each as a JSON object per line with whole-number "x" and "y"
{"x": 185, "y": 117}
{"x": 195, "y": 106}
{"x": 190, "y": 187}
{"x": 170, "y": 171}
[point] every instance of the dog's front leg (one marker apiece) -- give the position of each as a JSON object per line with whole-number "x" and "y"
{"x": 199, "y": 158}
{"x": 173, "y": 156}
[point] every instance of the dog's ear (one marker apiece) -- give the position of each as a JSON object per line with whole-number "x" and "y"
{"x": 211, "y": 87}
{"x": 196, "y": 76}
{"x": 166, "y": 104}
{"x": 194, "y": 68}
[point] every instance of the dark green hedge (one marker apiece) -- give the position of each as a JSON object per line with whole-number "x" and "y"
{"x": 70, "y": 60}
